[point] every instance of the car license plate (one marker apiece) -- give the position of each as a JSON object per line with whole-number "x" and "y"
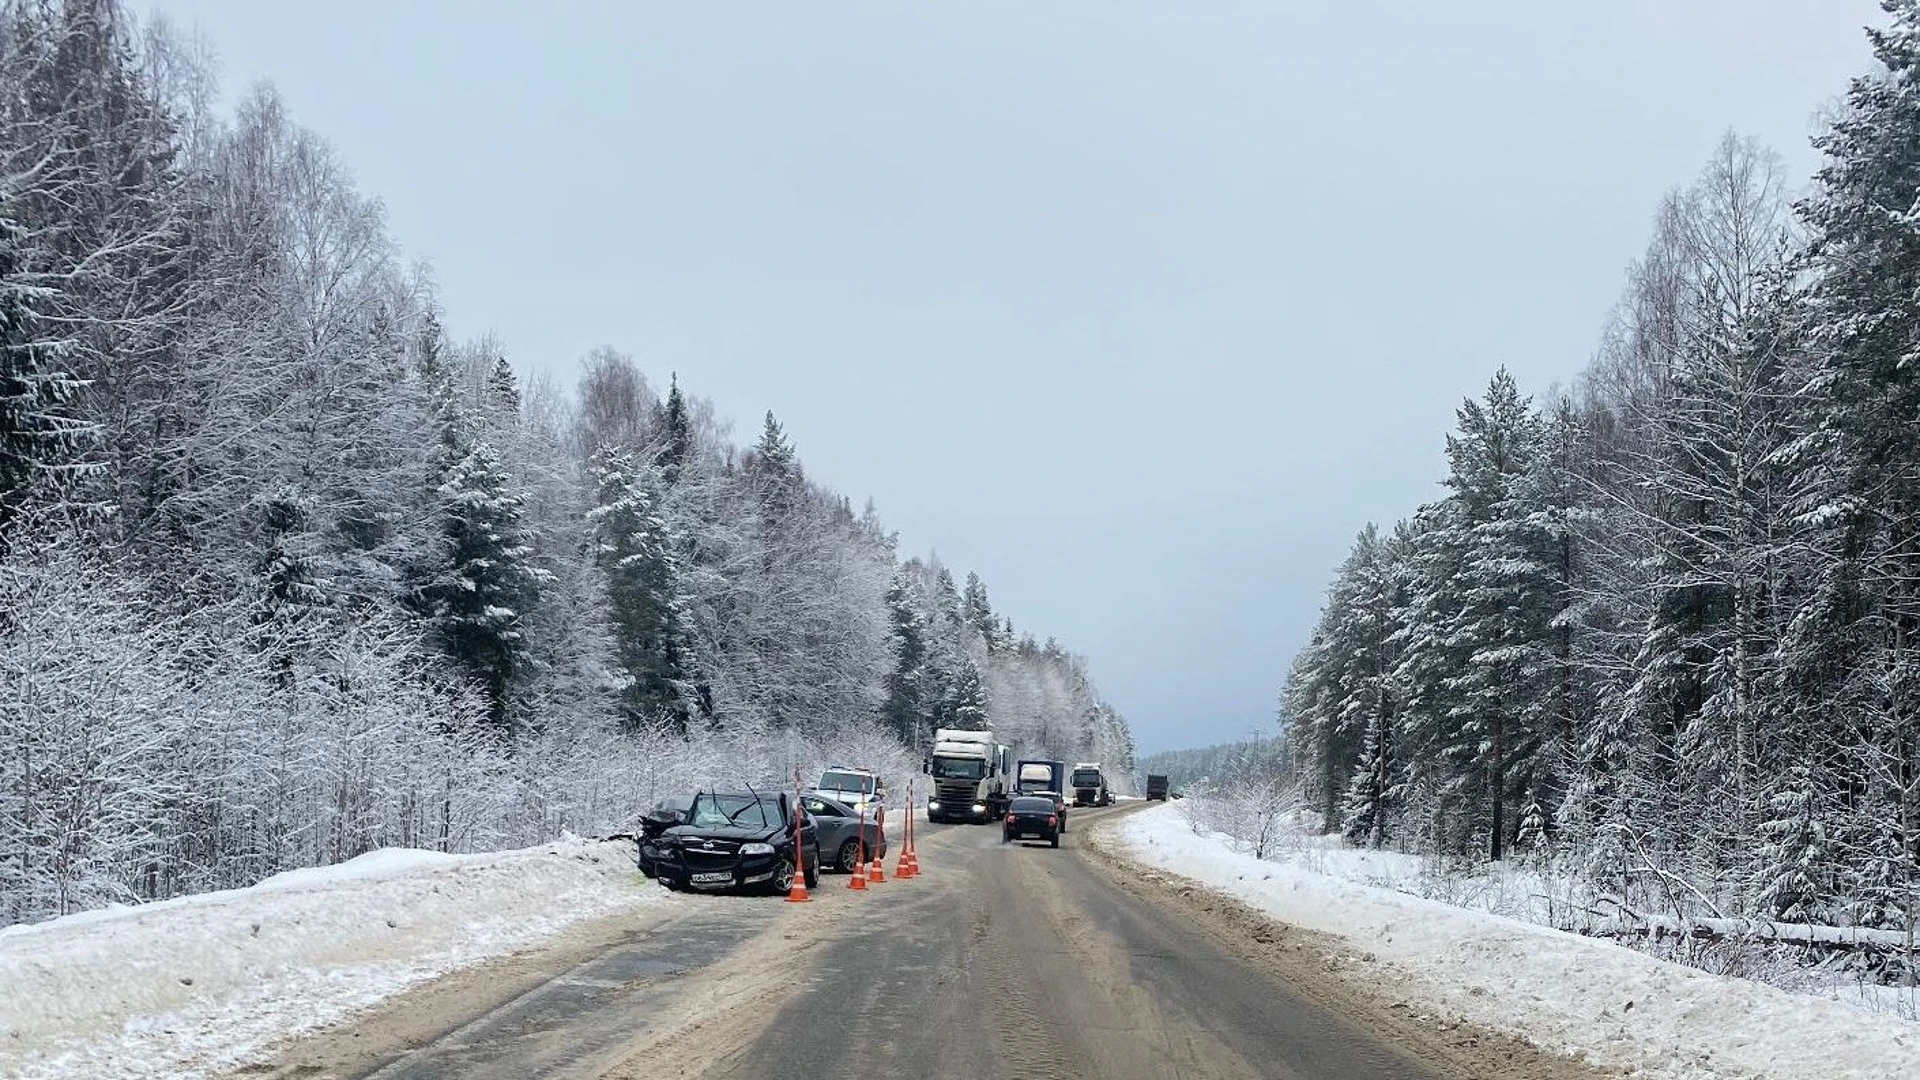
{"x": 724, "y": 877}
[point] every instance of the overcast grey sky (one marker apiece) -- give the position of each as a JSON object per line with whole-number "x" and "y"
{"x": 1140, "y": 310}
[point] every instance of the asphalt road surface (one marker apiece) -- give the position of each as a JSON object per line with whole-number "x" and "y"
{"x": 999, "y": 961}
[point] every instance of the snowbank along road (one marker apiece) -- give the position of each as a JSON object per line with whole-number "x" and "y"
{"x": 998, "y": 961}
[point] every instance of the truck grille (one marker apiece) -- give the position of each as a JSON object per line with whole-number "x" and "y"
{"x": 957, "y": 796}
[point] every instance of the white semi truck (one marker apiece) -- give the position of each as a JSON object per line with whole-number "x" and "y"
{"x": 969, "y": 772}
{"x": 1090, "y": 785}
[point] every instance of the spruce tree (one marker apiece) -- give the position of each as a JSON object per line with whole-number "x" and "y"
{"x": 966, "y": 702}
{"x": 904, "y": 710}
{"x": 41, "y": 433}
{"x": 484, "y": 574}
{"x": 677, "y": 442}
{"x": 977, "y": 612}
{"x": 1865, "y": 302}
{"x": 635, "y": 553}
{"x": 503, "y": 391}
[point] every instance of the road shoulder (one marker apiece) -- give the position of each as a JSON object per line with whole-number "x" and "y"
{"x": 1322, "y": 968}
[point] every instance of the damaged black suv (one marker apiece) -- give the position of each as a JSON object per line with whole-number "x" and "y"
{"x": 736, "y": 841}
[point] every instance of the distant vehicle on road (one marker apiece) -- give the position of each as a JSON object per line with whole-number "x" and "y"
{"x": 838, "y": 829}
{"x": 1041, "y": 777}
{"x": 737, "y": 840}
{"x": 858, "y": 788}
{"x": 1034, "y": 817}
{"x": 969, "y": 772}
{"x": 1090, "y": 785}
{"x": 1157, "y": 787}
{"x": 666, "y": 813}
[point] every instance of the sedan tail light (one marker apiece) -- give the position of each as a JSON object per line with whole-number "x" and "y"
{"x": 1053, "y": 820}
{"x": 1011, "y": 819}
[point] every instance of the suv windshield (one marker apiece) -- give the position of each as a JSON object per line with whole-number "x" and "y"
{"x": 846, "y": 781}
{"x": 947, "y": 768}
{"x": 734, "y": 811}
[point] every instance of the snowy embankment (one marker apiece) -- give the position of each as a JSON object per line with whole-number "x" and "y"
{"x": 1566, "y": 993}
{"x": 190, "y": 986}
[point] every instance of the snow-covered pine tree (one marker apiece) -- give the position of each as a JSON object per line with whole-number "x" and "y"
{"x": 966, "y": 702}
{"x": 676, "y": 443}
{"x": 635, "y": 553}
{"x": 484, "y": 578}
{"x": 1504, "y": 608}
{"x": 41, "y": 434}
{"x": 977, "y": 612}
{"x": 1864, "y": 302}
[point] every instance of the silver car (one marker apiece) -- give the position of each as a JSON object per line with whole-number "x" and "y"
{"x": 838, "y": 826}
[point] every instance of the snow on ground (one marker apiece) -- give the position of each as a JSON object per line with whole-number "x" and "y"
{"x": 1567, "y": 993}
{"x": 186, "y": 987}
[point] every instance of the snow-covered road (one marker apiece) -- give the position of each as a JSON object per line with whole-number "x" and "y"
{"x": 189, "y": 987}
{"x": 1575, "y": 995}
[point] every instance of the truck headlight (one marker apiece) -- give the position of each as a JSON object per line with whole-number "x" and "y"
{"x": 756, "y": 849}
{"x": 933, "y": 804}
{"x": 979, "y": 808}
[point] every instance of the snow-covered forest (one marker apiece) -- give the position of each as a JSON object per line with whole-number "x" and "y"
{"x": 1663, "y": 629}
{"x": 289, "y": 572}
{"x": 1220, "y": 764}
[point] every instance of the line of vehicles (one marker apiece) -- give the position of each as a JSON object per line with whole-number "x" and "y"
{"x": 971, "y": 773}
{"x": 746, "y": 840}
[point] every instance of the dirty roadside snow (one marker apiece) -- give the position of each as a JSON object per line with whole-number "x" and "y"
{"x": 1565, "y": 993}
{"x": 190, "y": 987}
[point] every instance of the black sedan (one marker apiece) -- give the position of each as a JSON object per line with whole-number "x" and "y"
{"x": 1032, "y": 817}
{"x": 839, "y": 832}
{"x": 736, "y": 841}
{"x": 665, "y": 814}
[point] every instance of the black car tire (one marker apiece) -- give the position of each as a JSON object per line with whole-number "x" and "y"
{"x": 1006, "y": 838}
{"x": 848, "y": 860}
{"x": 1056, "y": 840}
{"x": 812, "y": 875}
{"x": 782, "y": 879}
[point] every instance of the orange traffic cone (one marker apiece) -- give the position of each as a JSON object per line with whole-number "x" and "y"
{"x": 875, "y": 872}
{"x": 797, "y": 892}
{"x": 797, "y": 889}
{"x": 857, "y": 880}
{"x": 906, "y": 867}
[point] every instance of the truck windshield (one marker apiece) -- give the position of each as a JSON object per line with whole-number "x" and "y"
{"x": 1086, "y": 778}
{"x": 846, "y": 781}
{"x": 947, "y": 768}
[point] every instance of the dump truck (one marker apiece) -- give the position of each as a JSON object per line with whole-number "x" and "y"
{"x": 1090, "y": 785}
{"x": 1157, "y": 786}
{"x": 969, "y": 771}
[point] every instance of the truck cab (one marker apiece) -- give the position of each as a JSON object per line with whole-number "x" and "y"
{"x": 1090, "y": 785}
{"x": 969, "y": 771}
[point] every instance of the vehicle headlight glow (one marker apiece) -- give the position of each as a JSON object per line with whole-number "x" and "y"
{"x": 979, "y": 808}
{"x": 933, "y": 804}
{"x": 756, "y": 849}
